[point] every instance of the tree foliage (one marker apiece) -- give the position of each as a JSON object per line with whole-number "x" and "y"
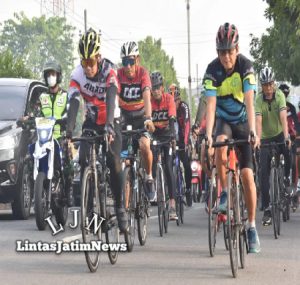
{"x": 279, "y": 48}
{"x": 154, "y": 58}
{"x": 11, "y": 66}
{"x": 37, "y": 40}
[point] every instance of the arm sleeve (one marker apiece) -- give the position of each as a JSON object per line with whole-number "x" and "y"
{"x": 111, "y": 94}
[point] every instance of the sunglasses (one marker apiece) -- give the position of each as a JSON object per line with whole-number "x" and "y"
{"x": 156, "y": 87}
{"x": 89, "y": 62}
{"x": 128, "y": 60}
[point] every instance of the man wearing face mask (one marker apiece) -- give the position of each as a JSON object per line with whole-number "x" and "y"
{"x": 54, "y": 104}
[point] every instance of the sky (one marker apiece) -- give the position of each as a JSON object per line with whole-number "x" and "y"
{"x": 124, "y": 20}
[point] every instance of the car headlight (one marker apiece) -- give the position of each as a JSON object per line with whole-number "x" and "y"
{"x": 7, "y": 142}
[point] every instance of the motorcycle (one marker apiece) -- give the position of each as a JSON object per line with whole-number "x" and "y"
{"x": 196, "y": 186}
{"x": 49, "y": 182}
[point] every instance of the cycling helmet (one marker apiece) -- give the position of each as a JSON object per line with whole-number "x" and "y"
{"x": 53, "y": 65}
{"x": 173, "y": 89}
{"x": 227, "y": 37}
{"x": 156, "y": 79}
{"x": 266, "y": 75}
{"x": 89, "y": 44}
{"x": 285, "y": 89}
{"x": 129, "y": 49}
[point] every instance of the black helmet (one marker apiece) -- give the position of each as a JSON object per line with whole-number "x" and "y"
{"x": 285, "y": 89}
{"x": 53, "y": 65}
{"x": 89, "y": 44}
{"x": 156, "y": 79}
{"x": 227, "y": 37}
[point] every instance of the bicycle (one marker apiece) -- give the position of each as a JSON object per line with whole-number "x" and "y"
{"x": 134, "y": 195}
{"x": 236, "y": 220}
{"x": 162, "y": 197}
{"x": 180, "y": 187}
{"x": 277, "y": 190}
{"x": 97, "y": 201}
{"x": 215, "y": 218}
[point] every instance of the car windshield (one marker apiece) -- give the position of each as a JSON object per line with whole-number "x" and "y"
{"x": 12, "y": 99}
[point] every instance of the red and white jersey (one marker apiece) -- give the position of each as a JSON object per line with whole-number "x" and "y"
{"x": 163, "y": 110}
{"x": 93, "y": 90}
{"x": 131, "y": 94}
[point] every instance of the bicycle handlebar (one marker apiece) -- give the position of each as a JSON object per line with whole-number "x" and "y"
{"x": 230, "y": 142}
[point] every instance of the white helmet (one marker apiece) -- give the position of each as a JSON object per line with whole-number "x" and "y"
{"x": 129, "y": 49}
{"x": 266, "y": 75}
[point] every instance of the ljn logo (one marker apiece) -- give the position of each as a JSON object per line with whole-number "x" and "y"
{"x": 95, "y": 221}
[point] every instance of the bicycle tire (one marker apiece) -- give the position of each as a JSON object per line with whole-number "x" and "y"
{"x": 112, "y": 236}
{"x": 161, "y": 198}
{"x": 130, "y": 207}
{"x": 142, "y": 216}
{"x": 243, "y": 242}
{"x": 232, "y": 220}
{"x": 212, "y": 217}
{"x": 273, "y": 200}
{"x": 89, "y": 206}
{"x": 181, "y": 196}
{"x": 166, "y": 218}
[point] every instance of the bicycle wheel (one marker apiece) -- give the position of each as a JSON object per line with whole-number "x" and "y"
{"x": 129, "y": 205}
{"x": 212, "y": 217}
{"x": 142, "y": 212}
{"x": 182, "y": 191}
{"x": 233, "y": 223}
{"x": 90, "y": 213}
{"x": 243, "y": 242}
{"x": 166, "y": 217}
{"x": 160, "y": 198}
{"x": 273, "y": 201}
{"x": 111, "y": 230}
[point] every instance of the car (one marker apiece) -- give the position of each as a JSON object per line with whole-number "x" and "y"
{"x": 16, "y": 187}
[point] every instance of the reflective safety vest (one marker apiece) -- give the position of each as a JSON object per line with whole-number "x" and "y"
{"x": 54, "y": 106}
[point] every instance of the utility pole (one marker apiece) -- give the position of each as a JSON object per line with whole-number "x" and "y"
{"x": 189, "y": 52}
{"x": 85, "y": 21}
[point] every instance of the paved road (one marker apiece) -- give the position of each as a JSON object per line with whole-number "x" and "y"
{"x": 180, "y": 257}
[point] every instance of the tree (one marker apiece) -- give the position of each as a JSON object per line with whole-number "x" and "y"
{"x": 279, "y": 48}
{"x": 38, "y": 40}
{"x": 13, "y": 66}
{"x": 154, "y": 58}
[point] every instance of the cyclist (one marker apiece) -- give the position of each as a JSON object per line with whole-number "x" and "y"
{"x": 164, "y": 116}
{"x": 135, "y": 104}
{"x": 200, "y": 121}
{"x": 229, "y": 84}
{"x": 54, "y": 104}
{"x": 95, "y": 79}
{"x": 294, "y": 131}
{"x": 271, "y": 126}
{"x": 184, "y": 124}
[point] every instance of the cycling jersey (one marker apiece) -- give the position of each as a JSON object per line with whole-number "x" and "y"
{"x": 230, "y": 89}
{"x": 93, "y": 90}
{"x": 269, "y": 110}
{"x": 292, "y": 120}
{"x": 162, "y": 111}
{"x": 183, "y": 119}
{"x": 131, "y": 95}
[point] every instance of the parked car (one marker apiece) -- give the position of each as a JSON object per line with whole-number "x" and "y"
{"x": 16, "y": 100}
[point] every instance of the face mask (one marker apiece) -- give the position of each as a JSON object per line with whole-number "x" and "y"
{"x": 51, "y": 79}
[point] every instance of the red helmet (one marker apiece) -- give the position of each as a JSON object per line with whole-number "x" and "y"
{"x": 227, "y": 37}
